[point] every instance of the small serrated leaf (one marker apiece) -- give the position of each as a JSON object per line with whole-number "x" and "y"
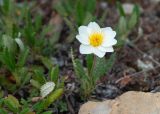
{"x": 47, "y": 62}
{"x": 9, "y": 43}
{"x": 122, "y": 26}
{"x": 134, "y": 17}
{"x": 14, "y": 100}
{"x": 35, "y": 83}
{"x": 23, "y": 57}
{"x": 120, "y": 9}
{"x": 53, "y": 97}
{"x": 99, "y": 68}
{"x": 39, "y": 76}
{"x": 102, "y": 66}
{"x": 54, "y": 74}
{"x": 12, "y": 103}
{"x": 79, "y": 70}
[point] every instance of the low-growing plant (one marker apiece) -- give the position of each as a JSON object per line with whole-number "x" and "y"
{"x": 17, "y": 18}
{"x": 126, "y": 23}
{"x": 96, "y": 67}
{"x": 13, "y": 57}
{"x": 26, "y": 47}
{"x": 97, "y": 41}
{"x": 22, "y": 44}
{"x": 50, "y": 90}
{"x": 11, "y": 104}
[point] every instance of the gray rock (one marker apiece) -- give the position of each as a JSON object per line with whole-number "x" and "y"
{"x": 128, "y": 103}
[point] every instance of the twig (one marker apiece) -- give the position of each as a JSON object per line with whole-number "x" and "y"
{"x": 141, "y": 52}
{"x": 137, "y": 73}
{"x": 69, "y": 105}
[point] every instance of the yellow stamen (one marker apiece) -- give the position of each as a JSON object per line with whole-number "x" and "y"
{"x": 96, "y": 39}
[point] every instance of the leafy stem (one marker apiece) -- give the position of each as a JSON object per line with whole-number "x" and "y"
{"x": 93, "y": 65}
{"x": 92, "y": 69}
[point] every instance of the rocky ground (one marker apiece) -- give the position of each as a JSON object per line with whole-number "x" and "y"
{"x": 137, "y": 66}
{"x": 137, "y": 69}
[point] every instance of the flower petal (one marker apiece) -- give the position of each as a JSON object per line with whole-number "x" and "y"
{"x": 94, "y": 27}
{"x": 106, "y": 49}
{"x": 108, "y": 43}
{"x": 109, "y": 35}
{"x": 101, "y": 48}
{"x": 109, "y": 49}
{"x": 99, "y": 53}
{"x": 84, "y": 30}
{"x": 83, "y": 39}
{"x": 85, "y": 49}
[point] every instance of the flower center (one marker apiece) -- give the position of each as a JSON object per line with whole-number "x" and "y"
{"x": 96, "y": 39}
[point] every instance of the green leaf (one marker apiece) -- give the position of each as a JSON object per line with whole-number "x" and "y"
{"x": 86, "y": 89}
{"x": 55, "y": 95}
{"x": 1, "y": 93}
{"x": 2, "y": 111}
{"x": 39, "y": 76}
{"x": 1, "y": 102}
{"x": 122, "y": 26}
{"x": 80, "y": 12}
{"x": 39, "y": 106}
{"x": 6, "y": 6}
{"x": 47, "y": 112}
{"x": 62, "y": 105}
{"x": 110, "y": 62}
{"x": 25, "y": 111}
{"x": 60, "y": 9}
{"x": 54, "y": 74}
{"x": 29, "y": 31}
{"x": 88, "y": 18}
{"x": 120, "y": 9}
{"x": 68, "y": 5}
{"x": 47, "y": 62}
{"x": 14, "y": 100}
{"x": 9, "y": 43}
{"x": 101, "y": 67}
{"x": 71, "y": 37}
{"x": 38, "y": 22}
{"x": 103, "y": 18}
{"x": 89, "y": 60}
{"x": 12, "y": 103}
{"x": 24, "y": 102}
{"x": 17, "y": 76}
{"x": 43, "y": 105}
{"x": 134, "y": 17}
{"x": 79, "y": 70}
{"x": 35, "y": 83}
{"x": 8, "y": 59}
{"x": 23, "y": 57}
{"x": 24, "y": 75}
{"x": 91, "y": 6}
{"x": 20, "y": 43}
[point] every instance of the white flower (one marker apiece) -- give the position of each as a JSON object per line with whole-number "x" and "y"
{"x": 96, "y": 40}
{"x": 47, "y": 88}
